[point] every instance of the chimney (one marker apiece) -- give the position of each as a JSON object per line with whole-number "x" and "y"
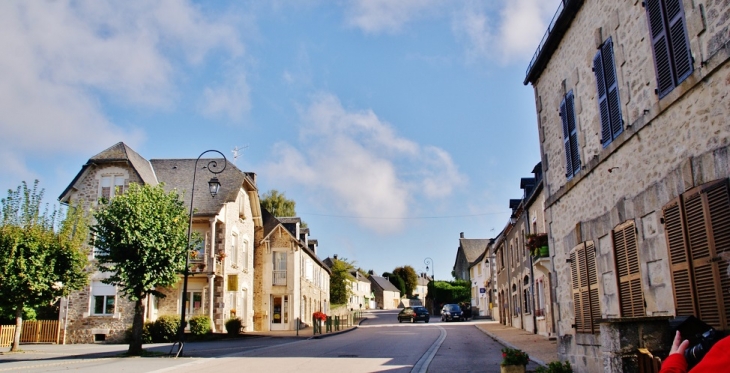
{"x": 335, "y": 256}
{"x": 461, "y": 234}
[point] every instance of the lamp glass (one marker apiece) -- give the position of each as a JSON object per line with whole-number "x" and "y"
{"x": 213, "y": 186}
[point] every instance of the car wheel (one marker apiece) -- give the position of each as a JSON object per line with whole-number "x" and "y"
{"x": 399, "y": 320}
{"x": 426, "y": 321}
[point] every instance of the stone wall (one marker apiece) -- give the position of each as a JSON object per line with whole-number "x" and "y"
{"x": 667, "y": 146}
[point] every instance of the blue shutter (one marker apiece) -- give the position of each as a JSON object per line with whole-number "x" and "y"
{"x": 614, "y": 105}
{"x": 602, "y": 99}
{"x": 679, "y": 40}
{"x": 570, "y": 136}
{"x": 566, "y": 139}
{"x": 660, "y": 43}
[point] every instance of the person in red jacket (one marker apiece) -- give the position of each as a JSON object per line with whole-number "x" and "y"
{"x": 716, "y": 360}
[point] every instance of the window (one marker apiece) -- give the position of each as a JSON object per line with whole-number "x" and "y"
{"x": 279, "y": 276}
{"x": 570, "y": 135}
{"x": 697, "y": 229}
{"x": 103, "y": 298}
{"x": 585, "y": 288}
{"x": 526, "y": 295}
{"x": 672, "y": 55}
{"x": 244, "y": 252}
{"x": 195, "y": 307}
{"x": 540, "y": 309}
{"x": 609, "y": 105}
{"x": 197, "y": 254}
{"x": 627, "y": 265}
{"x": 234, "y": 250}
{"x": 110, "y": 186}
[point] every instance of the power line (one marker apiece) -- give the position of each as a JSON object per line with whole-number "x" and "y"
{"x": 402, "y": 218}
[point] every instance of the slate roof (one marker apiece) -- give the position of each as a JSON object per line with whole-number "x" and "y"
{"x": 358, "y": 276}
{"x": 473, "y": 248}
{"x": 270, "y": 224}
{"x": 178, "y": 174}
{"x": 118, "y": 152}
{"x": 383, "y": 283}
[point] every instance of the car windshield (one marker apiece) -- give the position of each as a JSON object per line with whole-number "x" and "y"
{"x": 419, "y": 309}
{"x": 452, "y": 307}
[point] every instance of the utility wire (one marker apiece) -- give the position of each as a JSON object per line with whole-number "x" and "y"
{"x": 402, "y": 218}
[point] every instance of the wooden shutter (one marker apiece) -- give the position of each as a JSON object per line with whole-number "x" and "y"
{"x": 684, "y": 300}
{"x": 679, "y": 40}
{"x": 570, "y": 135}
{"x": 660, "y": 43}
{"x": 627, "y": 265}
{"x": 608, "y": 98}
{"x": 585, "y": 288}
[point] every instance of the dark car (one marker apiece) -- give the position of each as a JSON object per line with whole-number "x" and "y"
{"x": 451, "y": 312}
{"x": 414, "y": 314}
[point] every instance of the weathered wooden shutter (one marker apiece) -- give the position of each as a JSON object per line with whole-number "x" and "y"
{"x": 608, "y": 98}
{"x": 718, "y": 201}
{"x": 674, "y": 228}
{"x": 679, "y": 40}
{"x": 585, "y": 288}
{"x": 592, "y": 276}
{"x": 627, "y": 265}
{"x": 570, "y": 135}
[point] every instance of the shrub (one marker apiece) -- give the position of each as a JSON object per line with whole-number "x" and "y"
{"x": 146, "y": 333}
{"x": 200, "y": 325}
{"x": 513, "y": 356}
{"x": 165, "y": 328}
{"x": 234, "y": 325}
{"x": 555, "y": 367}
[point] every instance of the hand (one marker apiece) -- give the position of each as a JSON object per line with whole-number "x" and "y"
{"x": 679, "y": 345}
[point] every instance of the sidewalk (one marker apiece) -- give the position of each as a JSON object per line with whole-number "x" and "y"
{"x": 540, "y": 348}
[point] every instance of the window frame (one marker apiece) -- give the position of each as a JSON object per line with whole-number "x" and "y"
{"x": 570, "y": 135}
{"x": 584, "y": 276}
{"x": 672, "y": 53}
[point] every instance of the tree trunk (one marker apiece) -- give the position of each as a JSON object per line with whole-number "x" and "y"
{"x": 135, "y": 345}
{"x": 18, "y": 329}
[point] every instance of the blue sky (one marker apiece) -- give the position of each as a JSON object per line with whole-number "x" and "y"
{"x": 394, "y": 125}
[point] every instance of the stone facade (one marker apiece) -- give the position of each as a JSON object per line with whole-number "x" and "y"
{"x": 668, "y": 145}
{"x": 221, "y": 286}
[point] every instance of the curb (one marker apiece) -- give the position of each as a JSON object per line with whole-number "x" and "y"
{"x": 510, "y": 345}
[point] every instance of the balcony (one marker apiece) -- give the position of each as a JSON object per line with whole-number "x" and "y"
{"x": 278, "y": 278}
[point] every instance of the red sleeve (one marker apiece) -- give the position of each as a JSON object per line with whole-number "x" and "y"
{"x": 674, "y": 363}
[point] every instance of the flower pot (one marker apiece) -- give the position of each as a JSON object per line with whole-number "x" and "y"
{"x": 544, "y": 251}
{"x": 512, "y": 369}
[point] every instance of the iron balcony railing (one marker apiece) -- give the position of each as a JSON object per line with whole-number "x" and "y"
{"x": 279, "y": 278}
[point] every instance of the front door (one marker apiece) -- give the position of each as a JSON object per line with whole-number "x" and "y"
{"x": 279, "y": 312}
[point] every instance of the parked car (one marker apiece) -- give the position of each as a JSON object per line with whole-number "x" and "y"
{"x": 451, "y": 312}
{"x": 414, "y": 314}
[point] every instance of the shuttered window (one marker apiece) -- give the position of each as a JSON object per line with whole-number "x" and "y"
{"x": 586, "y": 306}
{"x": 627, "y": 265}
{"x": 570, "y": 135}
{"x": 609, "y": 105}
{"x": 672, "y": 55}
{"x": 697, "y": 229}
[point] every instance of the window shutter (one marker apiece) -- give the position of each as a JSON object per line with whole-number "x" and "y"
{"x": 578, "y": 305}
{"x": 684, "y": 300}
{"x": 627, "y": 266}
{"x": 679, "y": 40}
{"x": 602, "y": 98}
{"x": 718, "y": 200}
{"x": 592, "y": 287}
{"x": 660, "y": 43}
{"x": 566, "y": 138}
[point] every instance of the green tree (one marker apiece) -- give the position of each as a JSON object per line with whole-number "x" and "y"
{"x": 397, "y": 281}
{"x": 278, "y": 205}
{"x": 339, "y": 281}
{"x": 141, "y": 239}
{"x": 40, "y": 261}
{"x": 410, "y": 278}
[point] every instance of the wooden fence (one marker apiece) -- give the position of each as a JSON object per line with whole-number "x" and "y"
{"x": 34, "y": 331}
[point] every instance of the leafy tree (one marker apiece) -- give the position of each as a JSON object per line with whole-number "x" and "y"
{"x": 141, "y": 239}
{"x": 339, "y": 286}
{"x": 278, "y": 205}
{"x": 397, "y": 281}
{"x": 410, "y": 278}
{"x": 39, "y": 260}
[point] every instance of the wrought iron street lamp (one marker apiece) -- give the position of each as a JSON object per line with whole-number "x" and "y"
{"x": 429, "y": 262}
{"x": 213, "y": 187}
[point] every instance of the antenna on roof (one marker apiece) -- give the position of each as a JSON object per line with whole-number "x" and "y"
{"x": 237, "y": 152}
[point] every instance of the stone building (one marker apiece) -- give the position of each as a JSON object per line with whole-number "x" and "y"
{"x": 361, "y": 295}
{"x": 221, "y": 279}
{"x": 632, "y": 106}
{"x": 387, "y": 296}
{"x": 467, "y": 254}
{"x": 291, "y": 283}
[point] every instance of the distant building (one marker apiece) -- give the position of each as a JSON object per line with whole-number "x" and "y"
{"x": 387, "y": 296}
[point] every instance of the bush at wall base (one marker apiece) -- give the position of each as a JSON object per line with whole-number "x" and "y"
{"x": 200, "y": 325}
{"x": 234, "y": 325}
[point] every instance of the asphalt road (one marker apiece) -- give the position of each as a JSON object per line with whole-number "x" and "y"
{"x": 380, "y": 344}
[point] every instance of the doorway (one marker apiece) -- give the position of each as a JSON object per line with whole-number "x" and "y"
{"x": 279, "y": 312}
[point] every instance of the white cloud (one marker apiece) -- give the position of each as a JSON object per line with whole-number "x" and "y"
{"x": 508, "y": 31}
{"x": 374, "y": 16}
{"x": 231, "y": 99}
{"x": 62, "y": 58}
{"x": 358, "y": 164}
